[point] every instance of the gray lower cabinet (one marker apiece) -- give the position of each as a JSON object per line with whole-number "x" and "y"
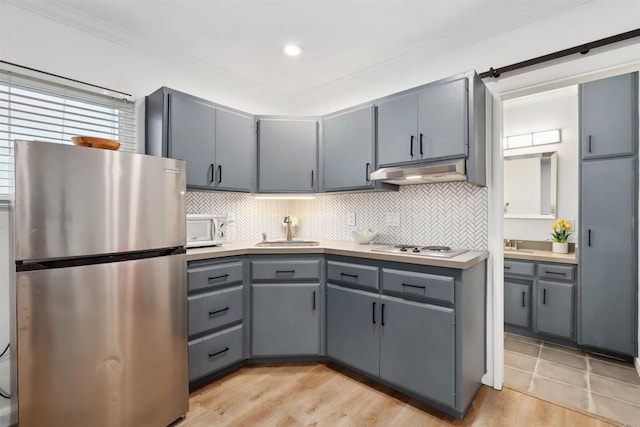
{"x": 555, "y": 308}
{"x": 608, "y": 116}
{"x": 287, "y": 155}
{"x": 417, "y": 348}
{"x": 216, "y": 312}
{"x": 287, "y": 306}
{"x": 517, "y": 303}
{"x": 285, "y": 319}
{"x": 426, "y": 338}
{"x": 353, "y": 327}
{"x": 215, "y": 141}
{"x": 540, "y": 299}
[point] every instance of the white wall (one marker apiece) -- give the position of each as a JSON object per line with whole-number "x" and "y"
{"x": 29, "y": 38}
{"x": 555, "y": 109}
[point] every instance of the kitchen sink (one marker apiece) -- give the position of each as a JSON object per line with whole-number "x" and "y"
{"x": 286, "y": 243}
{"x": 518, "y": 250}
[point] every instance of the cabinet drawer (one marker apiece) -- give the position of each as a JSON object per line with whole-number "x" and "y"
{"x": 216, "y": 275}
{"x": 214, "y": 352}
{"x": 361, "y": 275}
{"x": 423, "y": 285}
{"x": 214, "y": 309}
{"x": 555, "y": 271}
{"x": 285, "y": 270}
{"x": 519, "y": 268}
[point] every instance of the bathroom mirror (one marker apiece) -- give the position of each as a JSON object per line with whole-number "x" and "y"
{"x": 530, "y": 185}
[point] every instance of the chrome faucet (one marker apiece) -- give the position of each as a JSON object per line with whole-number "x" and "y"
{"x": 287, "y": 221}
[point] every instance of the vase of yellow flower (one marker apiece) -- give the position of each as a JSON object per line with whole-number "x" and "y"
{"x": 560, "y": 235}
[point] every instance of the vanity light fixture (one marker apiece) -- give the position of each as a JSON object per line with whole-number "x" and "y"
{"x": 284, "y": 196}
{"x": 531, "y": 139}
{"x": 292, "y": 49}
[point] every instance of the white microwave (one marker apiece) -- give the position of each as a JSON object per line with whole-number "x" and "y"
{"x": 205, "y": 230}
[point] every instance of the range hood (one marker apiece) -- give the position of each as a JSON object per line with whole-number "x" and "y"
{"x": 425, "y": 173}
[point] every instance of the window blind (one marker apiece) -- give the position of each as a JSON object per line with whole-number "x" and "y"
{"x": 35, "y": 109}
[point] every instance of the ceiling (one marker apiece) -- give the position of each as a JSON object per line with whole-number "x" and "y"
{"x": 340, "y": 39}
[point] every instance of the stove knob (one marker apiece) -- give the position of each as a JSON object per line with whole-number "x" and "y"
{"x": 416, "y": 250}
{"x": 403, "y": 249}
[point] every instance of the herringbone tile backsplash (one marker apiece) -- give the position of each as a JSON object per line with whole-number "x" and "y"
{"x": 453, "y": 213}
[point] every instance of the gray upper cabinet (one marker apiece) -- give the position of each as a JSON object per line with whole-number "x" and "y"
{"x": 443, "y": 120}
{"x": 234, "y": 141}
{"x": 431, "y": 123}
{"x": 608, "y": 254}
{"x": 417, "y": 348}
{"x": 285, "y": 319}
{"x": 555, "y": 314}
{"x": 287, "y": 155}
{"x": 192, "y": 133}
{"x": 348, "y": 147}
{"x": 353, "y": 323}
{"x": 608, "y": 116}
{"x": 397, "y": 128}
{"x": 215, "y": 141}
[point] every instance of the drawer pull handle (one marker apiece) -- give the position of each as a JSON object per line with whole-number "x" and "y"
{"x": 291, "y": 272}
{"x": 222, "y": 277}
{"x": 523, "y": 298}
{"x": 212, "y": 313}
{"x": 555, "y": 272}
{"x": 382, "y": 314}
{"x": 506, "y": 267}
{"x": 414, "y": 286}
{"x": 353, "y": 276}
{"x": 224, "y": 350}
{"x": 373, "y": 313}
{"x": 544, "y": 296}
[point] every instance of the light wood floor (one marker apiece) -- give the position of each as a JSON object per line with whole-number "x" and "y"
{"x": 319, "y": 395}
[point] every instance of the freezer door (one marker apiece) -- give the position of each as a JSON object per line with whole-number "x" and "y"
{"x": 103, "y": 345}
{"x": 77, "y": 201}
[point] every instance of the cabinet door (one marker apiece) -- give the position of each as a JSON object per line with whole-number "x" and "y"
{"x": 417, "y": 348}
{"x": 608, "y": 116}
{"x": 348, "y": 149}
{"x": 353, "y": 321}
{"x": 397, "y": 126}
{"x": 443, "y": 120}
{"x": 285, "y": 319}
{"x": 517, "y": 303}
{"x": 192, "y": 130}
{"x": 607, "y": 254}
{"x": 287, "y": 151}
{"x": 555, "y": 308}
{"x": 234, "y": 138}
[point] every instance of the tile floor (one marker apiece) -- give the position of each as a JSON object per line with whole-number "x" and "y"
{"x": 593, "y": 383}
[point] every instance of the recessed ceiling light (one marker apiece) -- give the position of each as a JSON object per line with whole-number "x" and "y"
{"x": 292, "y": 49}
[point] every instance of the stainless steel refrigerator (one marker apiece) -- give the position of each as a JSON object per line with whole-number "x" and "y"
{"x": 100, "y": 287}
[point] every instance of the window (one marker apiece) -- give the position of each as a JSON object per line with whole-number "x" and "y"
{"x": 34, "y": 109}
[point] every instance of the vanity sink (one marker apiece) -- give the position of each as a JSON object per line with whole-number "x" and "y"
{"x": 526, "y": 251}
{"x": 286, "y": 243}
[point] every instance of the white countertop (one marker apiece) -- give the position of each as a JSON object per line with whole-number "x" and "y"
{"x": 335, "y": 247}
